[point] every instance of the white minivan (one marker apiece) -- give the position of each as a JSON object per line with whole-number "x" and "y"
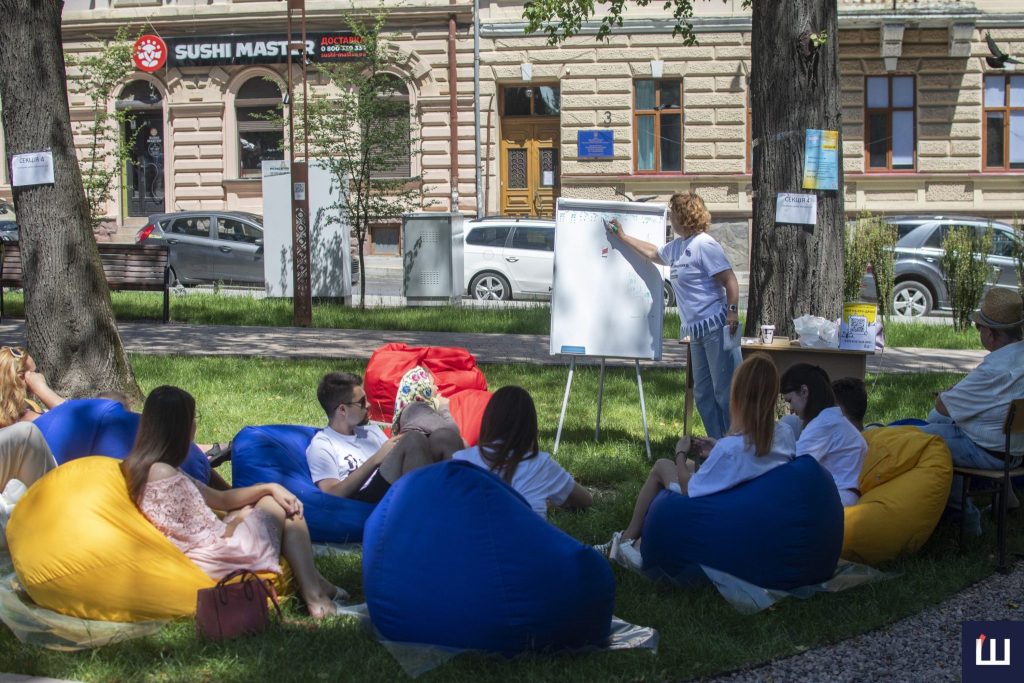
{"x": 513, "y": 258}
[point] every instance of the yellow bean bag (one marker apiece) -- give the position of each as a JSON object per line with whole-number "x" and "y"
{"x": 904, "y": 485}
{"x": 80, "y": 547}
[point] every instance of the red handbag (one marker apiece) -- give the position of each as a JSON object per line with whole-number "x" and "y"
{"x": 229, "y": 610}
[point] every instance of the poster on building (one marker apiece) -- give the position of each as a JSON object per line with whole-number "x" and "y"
{"x": 331, "y": 46}
{"x": 821, "y": 160}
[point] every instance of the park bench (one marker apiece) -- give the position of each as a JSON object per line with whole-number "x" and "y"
{"x": 126, "y": 267}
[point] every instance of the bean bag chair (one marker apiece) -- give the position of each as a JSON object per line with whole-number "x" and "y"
{"x": 454, "y": 370}
{"x": 99, "y": 426}
{"x": 277, "y": 453}
{"x": 781, "y": 530}
{"x": 467, "y": 409}
{"x": 904, "y": 484}
{"x": 454, "y": 557}
{"x": 80, "y": 547}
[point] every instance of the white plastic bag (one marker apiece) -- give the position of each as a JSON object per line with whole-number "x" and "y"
{"x": 816, "y": 332}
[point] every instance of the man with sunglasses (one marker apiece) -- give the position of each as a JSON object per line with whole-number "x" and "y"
{"x": 350, "y": 457}
{"x": 969, "y": 416}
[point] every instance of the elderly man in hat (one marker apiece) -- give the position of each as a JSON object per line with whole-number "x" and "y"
{"x": 970, "y": 415}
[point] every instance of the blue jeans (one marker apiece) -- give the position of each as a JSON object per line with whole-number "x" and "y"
{"x": 965, "y": 452}
{"x": 712, "y": 368}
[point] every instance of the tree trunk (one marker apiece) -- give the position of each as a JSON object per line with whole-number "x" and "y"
{"x": 70, "y": 324}
{"x": 794, "y": 86}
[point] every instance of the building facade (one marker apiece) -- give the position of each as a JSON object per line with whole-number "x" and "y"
{"x": 928, "y": 125}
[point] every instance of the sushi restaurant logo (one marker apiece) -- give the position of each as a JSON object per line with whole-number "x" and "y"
{"x": 992, "y": 651}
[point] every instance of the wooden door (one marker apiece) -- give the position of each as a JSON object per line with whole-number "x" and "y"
{"x": 529, "y": 167}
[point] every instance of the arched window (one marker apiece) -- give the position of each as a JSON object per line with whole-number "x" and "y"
{"x": 393, "y": 138}
{"x": 260, "y": 133}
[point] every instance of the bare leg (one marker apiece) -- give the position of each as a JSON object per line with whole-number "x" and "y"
{"x": 443, "y": 442}
{"x": 410, "y": 453}
{"x": 297, "y": 549}
{"x": 662, "y": 474}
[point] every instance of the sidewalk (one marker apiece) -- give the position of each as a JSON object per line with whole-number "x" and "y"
{"x": 296, "y": 342}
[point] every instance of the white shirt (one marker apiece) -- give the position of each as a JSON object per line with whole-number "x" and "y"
{"x": 332, "y": 455}
{"x": 693, "y": 264}
{"x": 733, "y": 462}
{"x": 539, "y": 480}
{"x": 834, "y": 442}
{"x": 978, "y": 403}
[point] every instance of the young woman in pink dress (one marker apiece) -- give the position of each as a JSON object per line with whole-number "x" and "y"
{"x": 264, "y": 521}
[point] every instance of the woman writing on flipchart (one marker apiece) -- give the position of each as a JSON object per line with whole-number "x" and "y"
{"x": 708, "y": 298}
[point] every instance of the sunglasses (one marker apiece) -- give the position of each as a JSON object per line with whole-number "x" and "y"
{"x": 15, "y": 351}
{"x": 361, "y": 403}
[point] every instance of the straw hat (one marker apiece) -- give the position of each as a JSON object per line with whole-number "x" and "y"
{"x": 1001, "y": 309}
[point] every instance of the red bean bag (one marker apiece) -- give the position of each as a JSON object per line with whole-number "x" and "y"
{"x": 467, "y": 409}
{"x": 454, "y": 371}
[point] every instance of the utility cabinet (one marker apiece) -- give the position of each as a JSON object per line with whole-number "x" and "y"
{"x": 432, "y": 270}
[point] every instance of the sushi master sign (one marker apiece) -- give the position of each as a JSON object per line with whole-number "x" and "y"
{"x": 152, "y": 53}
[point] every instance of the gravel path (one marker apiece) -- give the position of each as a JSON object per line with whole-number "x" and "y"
{"x": 923, "y": 648}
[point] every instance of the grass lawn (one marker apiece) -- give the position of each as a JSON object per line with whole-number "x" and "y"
{"x": 700, "y": 633}
{"x": 208, "y": 309}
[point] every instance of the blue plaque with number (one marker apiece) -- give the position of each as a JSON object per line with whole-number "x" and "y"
{"x": 595, "y": 144}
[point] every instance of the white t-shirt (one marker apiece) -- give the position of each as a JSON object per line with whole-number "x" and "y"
{"x": 978, "y": 403}
{"x": 332, "y": 455}
{"x": 835, "y": 443}
{"x": 733, "y": 462}
{"x": 693, "y": 263}
{"x": 539, "y": 480}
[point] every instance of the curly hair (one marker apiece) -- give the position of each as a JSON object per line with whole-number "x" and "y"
{"x": 690, "y": 212}
{"x": 12, "y": 384}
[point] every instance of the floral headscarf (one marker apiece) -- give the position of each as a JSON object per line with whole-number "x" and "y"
{"x": 417, "y": 385}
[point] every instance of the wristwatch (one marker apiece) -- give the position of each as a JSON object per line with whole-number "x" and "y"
{"x": 733, "y": 308}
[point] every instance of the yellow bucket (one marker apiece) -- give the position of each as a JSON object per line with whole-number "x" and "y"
{"x": 867, "y": 310}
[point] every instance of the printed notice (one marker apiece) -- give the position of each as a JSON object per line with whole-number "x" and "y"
{"x": 796, "y": 208}
{"x": 821, "y": 160}
{"x": 33, "y": 168}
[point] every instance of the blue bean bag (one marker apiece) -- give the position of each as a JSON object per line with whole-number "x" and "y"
{"x": 781, "y": 530}
{"x": 277, "y": 453}
{"x": 454, "y": 557}
{"x": 98, "y": 426}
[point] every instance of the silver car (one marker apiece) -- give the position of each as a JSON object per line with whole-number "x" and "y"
{"x": 920, "y": 282}
{"x": 209, "y": 246}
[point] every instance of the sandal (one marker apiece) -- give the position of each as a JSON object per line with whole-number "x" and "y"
{"x": 217, "y": 455}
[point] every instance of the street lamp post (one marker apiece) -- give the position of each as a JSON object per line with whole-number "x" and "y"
{"x": 302, "y": 299}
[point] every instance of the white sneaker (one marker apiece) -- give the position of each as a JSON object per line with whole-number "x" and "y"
{"x": 608, "y": 548}
{"x": 627, "y": 554}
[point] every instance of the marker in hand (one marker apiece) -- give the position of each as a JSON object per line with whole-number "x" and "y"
{"x": 612, "y": 225}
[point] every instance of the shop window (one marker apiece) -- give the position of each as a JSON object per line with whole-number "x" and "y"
{"x": 1004, "y": 122}
{"x": 393, "y": 156}
{"x": 260, "y": 131}
{"x": 658, "y": 125}
{"x": 890, "y": 140}
{"x": 531, "y": 100}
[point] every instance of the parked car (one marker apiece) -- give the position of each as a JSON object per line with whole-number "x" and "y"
{"x": 8, "y": 222}
{"x": 513, "y": 258}
{"x": 920, "y": 282}
{"x": 209, "y": 246}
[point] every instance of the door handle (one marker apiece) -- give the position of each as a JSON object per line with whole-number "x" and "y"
{"x": 172, "y": 241}
{"x": 511, "y": 259}
{"x": 226, "y": 250}
{"x": 929, "y": 259}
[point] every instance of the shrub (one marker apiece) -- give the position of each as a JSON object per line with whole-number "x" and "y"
{"x": 881, "y": 248}
{"x": 855, "y": 258}
{"x": 1018, "y": 253}
{"x": 965, "y": 263}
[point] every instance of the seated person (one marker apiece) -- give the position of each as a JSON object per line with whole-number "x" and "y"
{"x": 24, "y": 459}
{"x": 825, "y": 434}
{"x": 755, "y": 444}
{"x": 263, "y": 521}
{"x": 852, "y": 399}
{"x": 18, "y": 379}
{"x": 508, "y": 447}
{"x": 420, "y": 407}
{"x": 350, "y": 457}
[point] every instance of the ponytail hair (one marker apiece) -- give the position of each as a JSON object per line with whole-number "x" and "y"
{"x": 508, "y": 431}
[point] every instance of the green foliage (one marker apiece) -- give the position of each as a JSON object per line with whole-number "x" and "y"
{"x": 1018, "y": 252}
{"x": 108, "y": 151}
{"x": 363, "y": 132}
{"x": 855, "y": 258}
{"x": 881, "y": 246}
{"x": 966, "y": 267}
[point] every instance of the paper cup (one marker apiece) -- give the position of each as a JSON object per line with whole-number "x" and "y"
{"x": 767, "y": 334}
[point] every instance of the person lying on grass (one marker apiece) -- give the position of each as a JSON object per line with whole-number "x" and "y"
{"x": 755, "y": 444}
{"x": 18, "y": 380}
{"x": 508, "y": 447}
{"x": 263, "y": 521}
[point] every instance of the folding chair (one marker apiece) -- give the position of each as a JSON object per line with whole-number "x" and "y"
{"x": 1000, "y": 478}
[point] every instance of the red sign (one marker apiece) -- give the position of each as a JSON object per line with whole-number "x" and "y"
{"x": 149, "y": 53}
